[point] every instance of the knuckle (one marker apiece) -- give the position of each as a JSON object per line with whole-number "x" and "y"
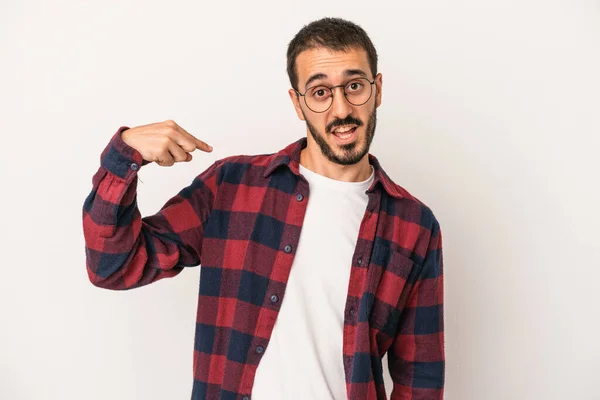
{"x": 164, "y": 142}
{"x": 170, "y": 131}
{"x": 188, "y": 146}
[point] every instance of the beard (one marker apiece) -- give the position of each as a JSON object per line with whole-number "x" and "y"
{"x": 351, "y": 152}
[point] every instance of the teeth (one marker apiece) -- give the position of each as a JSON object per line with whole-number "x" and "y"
{"x": 343, "y": 129}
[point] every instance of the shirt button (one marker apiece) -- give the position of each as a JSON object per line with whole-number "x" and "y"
{"x": 359, "y": 261}
{"x": 260, "y": 349}
{"x": 287, "y": 249}
{"x": 274, "y": 298}
{"x": 352, "y": 312}
{"x": 299, "y": 197}
{"x": 134, "y": 167}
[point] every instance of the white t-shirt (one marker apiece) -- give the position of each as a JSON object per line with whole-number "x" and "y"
{"x": 303, "y": 359}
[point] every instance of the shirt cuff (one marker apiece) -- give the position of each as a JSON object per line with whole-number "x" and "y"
{"x": 121, "y": 159}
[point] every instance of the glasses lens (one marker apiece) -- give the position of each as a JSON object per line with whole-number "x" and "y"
{"x": 318, "y": 98}
{"x": 358, "y": 91}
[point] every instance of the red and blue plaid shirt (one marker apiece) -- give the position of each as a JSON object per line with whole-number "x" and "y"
{"x": 241, "y": 220}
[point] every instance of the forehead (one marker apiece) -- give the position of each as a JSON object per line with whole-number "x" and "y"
{"x": 331, "y": 63}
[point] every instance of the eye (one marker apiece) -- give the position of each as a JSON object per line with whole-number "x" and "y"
{"x": 354, "y": 86}
{"x": 319, "y": 93}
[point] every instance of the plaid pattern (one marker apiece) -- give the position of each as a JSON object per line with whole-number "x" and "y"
{"x": 241, "y": 219}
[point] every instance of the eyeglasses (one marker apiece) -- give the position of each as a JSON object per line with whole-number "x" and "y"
{"x": 319, "y": 98}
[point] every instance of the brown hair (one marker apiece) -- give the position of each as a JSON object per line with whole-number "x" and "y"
{"x": 331, "y": 33}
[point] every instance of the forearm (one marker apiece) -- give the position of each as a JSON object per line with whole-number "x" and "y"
{"x": 123, "y": 250}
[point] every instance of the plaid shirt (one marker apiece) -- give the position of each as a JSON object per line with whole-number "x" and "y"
{"x": 241, "y": 219}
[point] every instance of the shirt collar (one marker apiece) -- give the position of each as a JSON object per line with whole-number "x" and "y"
{"x": 290, "y": 157}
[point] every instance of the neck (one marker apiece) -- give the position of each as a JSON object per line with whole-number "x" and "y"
{"x": 312, "y": 159}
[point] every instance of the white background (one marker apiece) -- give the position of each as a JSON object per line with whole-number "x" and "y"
{"x": 490, "y": 115}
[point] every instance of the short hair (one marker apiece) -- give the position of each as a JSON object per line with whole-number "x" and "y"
{"x": 332, "y": 33}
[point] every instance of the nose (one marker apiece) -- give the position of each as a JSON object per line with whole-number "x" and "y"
{"x": 340, "y": 108}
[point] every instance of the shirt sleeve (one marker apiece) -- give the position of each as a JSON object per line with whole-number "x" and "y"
{"x": 416, "y": 358}
{"x": 124, "y": 250}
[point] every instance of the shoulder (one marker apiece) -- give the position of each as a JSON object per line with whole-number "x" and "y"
{"x": 428, "y": 219}
{"x": 400, "y": 202}
{"x": 412, "y": 225}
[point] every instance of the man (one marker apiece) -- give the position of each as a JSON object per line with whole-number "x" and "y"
{"x": 314, "y": 262}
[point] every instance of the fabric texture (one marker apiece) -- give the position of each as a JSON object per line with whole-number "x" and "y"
{"x": 241, "y": 220}
{"x": 304, "y": 357}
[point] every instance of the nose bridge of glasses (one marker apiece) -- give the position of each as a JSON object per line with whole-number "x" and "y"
{"x": 341, "y": 87}
{"x": 347, "y": 100}
{"x": 340, "y": 105}
{"x": 343, "y": 98}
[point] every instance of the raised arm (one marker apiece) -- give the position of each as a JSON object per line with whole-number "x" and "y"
{"x": 124, "y": 250}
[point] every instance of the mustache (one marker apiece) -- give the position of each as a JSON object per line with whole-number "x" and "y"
{"x": 340, "y": 122}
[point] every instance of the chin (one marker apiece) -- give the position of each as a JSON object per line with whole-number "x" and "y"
{"x": 348, "y": 153}
{"x": 347, "y": 149}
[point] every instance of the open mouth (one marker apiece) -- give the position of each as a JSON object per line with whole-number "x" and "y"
{"x": 345, "y": 133}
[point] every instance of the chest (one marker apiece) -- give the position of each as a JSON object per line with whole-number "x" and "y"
{"x": 256, "y": 234}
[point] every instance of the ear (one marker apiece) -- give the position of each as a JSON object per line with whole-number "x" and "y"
{"x": 378, "y": 86}
{"x": 296, "y": 101}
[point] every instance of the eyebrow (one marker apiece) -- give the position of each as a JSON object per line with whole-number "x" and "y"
{"x": 347, "y": 73}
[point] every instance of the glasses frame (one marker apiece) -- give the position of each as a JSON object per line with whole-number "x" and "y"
{"x": 343, "y": 86}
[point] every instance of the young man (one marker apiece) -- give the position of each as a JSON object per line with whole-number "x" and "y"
{"x": 314, "y": 262}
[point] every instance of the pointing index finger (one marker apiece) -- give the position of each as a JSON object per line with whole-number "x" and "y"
{"x": 199, "y": 143}
{"x": 203, "y": 146}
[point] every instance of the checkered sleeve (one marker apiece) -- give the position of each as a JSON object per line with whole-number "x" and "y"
{"x": 124, "y": 250}
{"x": 416, "y": 358}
